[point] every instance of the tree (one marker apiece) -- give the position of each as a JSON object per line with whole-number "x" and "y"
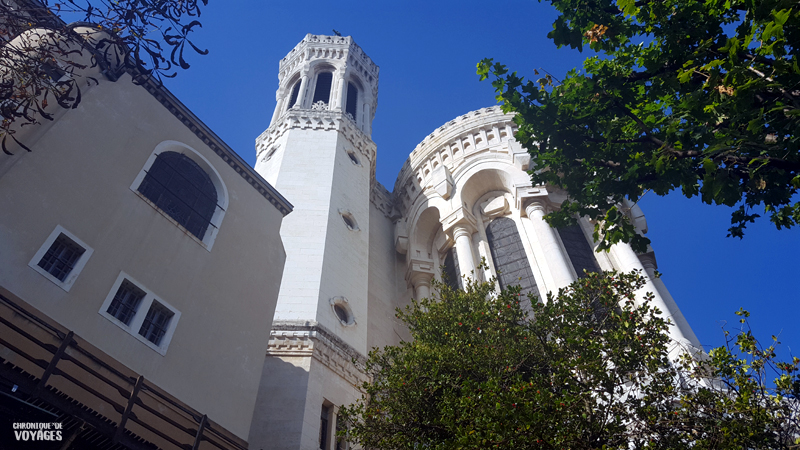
{"x": 43, "y": 59}
{"x": 701, "y": 96}
{"x": 586, "y": 369}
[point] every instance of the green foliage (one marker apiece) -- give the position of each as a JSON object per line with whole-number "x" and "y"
{"x": 698, "y": 96}
{"x": 587, "y": 369}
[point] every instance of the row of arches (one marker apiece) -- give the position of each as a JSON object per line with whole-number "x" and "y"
{"x": 486, "y": 219}
{"x": 322, "y": 93}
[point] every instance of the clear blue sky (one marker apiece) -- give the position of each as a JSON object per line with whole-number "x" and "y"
{"x": 427, "y": 51}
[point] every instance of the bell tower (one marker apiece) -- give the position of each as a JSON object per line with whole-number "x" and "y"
{"x": 319, "y": 154}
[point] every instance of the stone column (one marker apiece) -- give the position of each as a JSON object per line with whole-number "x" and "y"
{"x": 340, "y": 99}
{"x": 301, "y": 94}
{"x": 556, "y": 259}
{"x": 679, "y": 329}
{"x": 422, "y": 287}
{"x": 466, "y": 263}
{"x": 280, "y": 97}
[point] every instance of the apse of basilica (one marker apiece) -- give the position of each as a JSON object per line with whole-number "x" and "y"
{"x": 158, "y": 291}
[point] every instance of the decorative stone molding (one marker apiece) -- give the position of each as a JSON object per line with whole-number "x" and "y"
{"x": 304, "y": 119}
{"x": 321, "y": 106}
{"x": 485, "y": 133}
{"x": 310, "y": 339}
{"x": 341, "y": 48}
{"x": 383, "y": 200}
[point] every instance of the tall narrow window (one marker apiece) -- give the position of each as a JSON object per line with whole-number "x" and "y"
{"x": 61, "y": 257}
{"x": 295, "y": 93}
{"x": 508, "y": 255}
{"x": 579, "y": 251}
{"x": 183, "y": 190}
{"x": 323, "y": 427}
{"x": 126, "y": 302}
{"x": 156, "y": 323}
{"x": 352, "y": 100}
{"x": 322, "y": 92}
{"x": 452, "y": 273}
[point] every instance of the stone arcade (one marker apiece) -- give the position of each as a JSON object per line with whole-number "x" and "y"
{"x": 137, "y": 317}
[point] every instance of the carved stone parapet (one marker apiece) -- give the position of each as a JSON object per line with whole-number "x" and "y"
{"x": 310, "y": 339}
{"x": 487, "y": 132}
{"x": 341, "y": 49}
{"x": 383, "y": 200}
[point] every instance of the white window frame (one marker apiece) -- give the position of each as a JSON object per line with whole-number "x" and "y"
{"x": 76, "y": 269}
{"x": 141, "y": 313}
{"x": 222, "y": 191}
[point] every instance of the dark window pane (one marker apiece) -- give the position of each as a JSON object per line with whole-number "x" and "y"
{"x": 156, "y": 323}
{"x": 508, "y": 255}
{"x": 295, "y": 93}
{"x": 579, "y": 251}
{"x": 323, "y": 427}
{"x": 323, "y": 89}
{"x": 452, "y": 273}
{"x": 61, "y": 257}
{"x": 352, "y": 100}
{"x": 183, "y": 190}
{"x": 126, "y": 302}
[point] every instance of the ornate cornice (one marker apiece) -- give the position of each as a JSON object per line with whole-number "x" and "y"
{"x": 487, "y": 132}
{"x": 331, "y": 48}
{"x": 304, "y": 119}
{"x": 310, "y": 339}
{"x": 383, "y": 200}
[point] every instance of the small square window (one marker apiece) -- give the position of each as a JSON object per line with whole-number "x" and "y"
{"x": 156, "y": 323}
{"x": 126, "y": 302}
{"x": 138, "y": 311}
{"x": 61, "y": 257}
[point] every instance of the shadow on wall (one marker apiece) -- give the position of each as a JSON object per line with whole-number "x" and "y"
{"x": 278, "y": 415}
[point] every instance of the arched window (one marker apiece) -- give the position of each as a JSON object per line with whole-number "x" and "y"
{"x": 508, "y": 255}
{"x": 580, "y": 252}
{"x": 322, "y": 92}
{"x": 293, "y": 97}
{"x": 182, "y": 189}
{"x": 352, "y": 100}
{"x": 452, "y": 274}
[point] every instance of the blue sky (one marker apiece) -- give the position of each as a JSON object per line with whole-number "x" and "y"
{"x": 427, "y": 52}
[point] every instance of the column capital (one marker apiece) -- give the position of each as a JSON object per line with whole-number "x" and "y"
{"x": 536, "y": 205}
{"x": 463, "y": 229}
{"x": 460, "y": 218}
{"x": 419, "y": 271}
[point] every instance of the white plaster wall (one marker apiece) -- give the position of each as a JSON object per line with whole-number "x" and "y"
{"x": 387, "y": 291}
{"x": 79, "y": 176}
{"x": 345, "y": 271}
{"x": 305, "y": 179}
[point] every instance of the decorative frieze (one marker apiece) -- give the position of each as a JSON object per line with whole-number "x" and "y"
{"x": 304, "y": 119}
{"x": 310, "y": 339}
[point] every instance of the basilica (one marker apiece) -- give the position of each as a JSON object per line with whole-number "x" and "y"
{"x": 157, "y": 292}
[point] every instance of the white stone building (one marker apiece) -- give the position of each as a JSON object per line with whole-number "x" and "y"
{"x": 355, "y": 252}
{"x": 265, "y": 352}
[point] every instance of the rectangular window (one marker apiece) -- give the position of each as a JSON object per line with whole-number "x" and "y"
{"x": 61, "y": 257}
{"x": 156, "y": 323}
{"x": 137, "y": 310}
{"x": 126, "y": 302}
{"x": 323, "y": 427}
